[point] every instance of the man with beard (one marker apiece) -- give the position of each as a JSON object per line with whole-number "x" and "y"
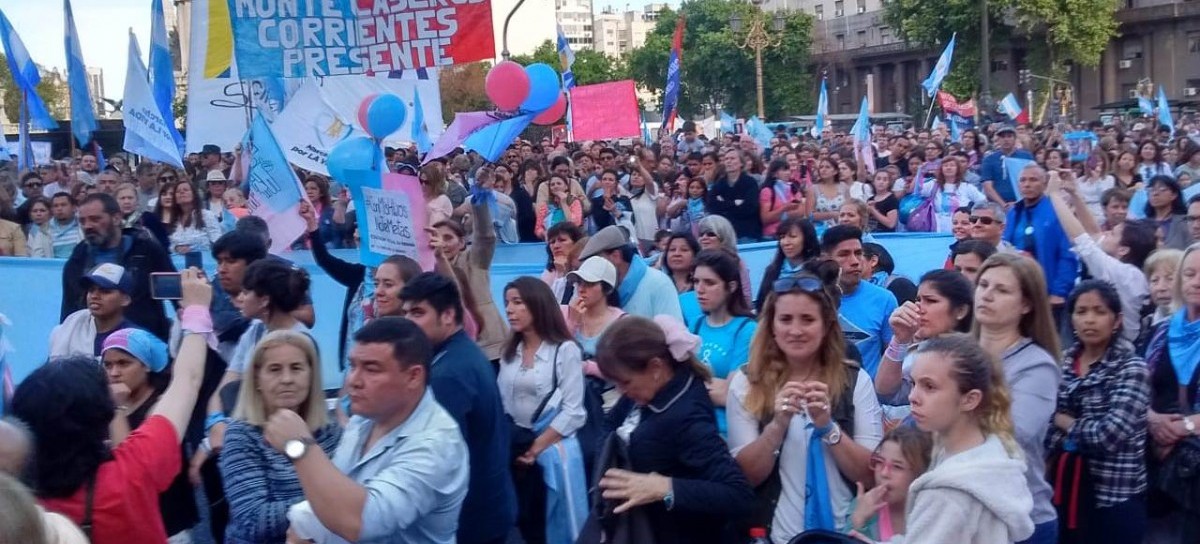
{"x": 135, "y": 250}
{"x": 89, "y": 168}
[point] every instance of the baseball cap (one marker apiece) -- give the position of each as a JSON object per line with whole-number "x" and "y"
{"x": 1005, "y": 128}
{"x": 108, "y": 276}
{"x": 143, "y": 346}
{"x": 608, "y": 239}
{"x": 596, "y": 270}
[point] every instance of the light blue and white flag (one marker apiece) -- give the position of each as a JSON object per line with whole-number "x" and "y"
{"x": 420, "y": 134}
{"x": 861, "y": 131}
{"x": 162, "y": 70}
{"x": 566, "y": 58}
{"x": 822, "y": 111}
{"x": 146, "y": 132}
{"x": 759, "y": 131}
{"x": 1145, "y": 105}
{"x": 25, "y": 74}
{"x": 728, "y": 123}
{"x": 1164, "y": 111}
{"x": 934, "y": 81}
{"x": 83, "y": 112}
{"x": 274, "y": 192}
{"x": 1010, "y": 106}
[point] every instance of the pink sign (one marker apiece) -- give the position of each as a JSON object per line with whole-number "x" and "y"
{"x": 392, "y": 221}
{"x": 605, "y": 111}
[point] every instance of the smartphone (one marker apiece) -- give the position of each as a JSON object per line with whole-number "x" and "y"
{"x": 194, "y": 259}
{"x": 166, "y": 286}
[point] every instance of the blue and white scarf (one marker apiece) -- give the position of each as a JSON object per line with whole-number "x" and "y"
{"x": 1184, "y": 346}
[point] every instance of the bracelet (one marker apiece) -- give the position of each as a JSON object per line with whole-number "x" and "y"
{"x": 212, "y": 420}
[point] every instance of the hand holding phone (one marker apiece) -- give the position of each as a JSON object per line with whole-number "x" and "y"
{"x": 166, "y": 286}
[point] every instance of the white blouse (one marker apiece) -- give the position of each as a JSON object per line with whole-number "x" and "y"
{"x": 197, "y": 238}
{"x": 522, "y": 389}
{"x": 789, "y": 511}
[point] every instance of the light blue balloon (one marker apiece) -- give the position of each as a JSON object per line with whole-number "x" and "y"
{"x": 351, "y": 158}
{"x": 385, "y": 115}
{"x": 543, "y": 87}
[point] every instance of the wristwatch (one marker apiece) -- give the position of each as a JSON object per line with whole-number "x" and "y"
{"x": 834, "y": 436}
{"x": 295, "y": 448}
{"x": 1191, "y": 427}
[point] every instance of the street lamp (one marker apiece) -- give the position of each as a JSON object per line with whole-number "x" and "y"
{"x": 759, "y": 38}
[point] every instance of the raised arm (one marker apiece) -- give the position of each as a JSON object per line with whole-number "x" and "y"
{"x": 179, "y": 400}
{"x": 483, "y": 248}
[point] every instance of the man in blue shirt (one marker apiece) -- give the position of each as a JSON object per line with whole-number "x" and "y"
{"x": 397, "y": 475}
{"x": 865, "y": 307}
{"x": 464, "y": 383}
{"x": 996, "y": 184}
{"x": 642, "y": 289}
{"x": 1032, "y": 227}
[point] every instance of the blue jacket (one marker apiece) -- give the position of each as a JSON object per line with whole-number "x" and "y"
{"x": 464, "y": 383}
{"x": 992, "y": 169}
{"x": 1046, "y": 241}
{"x": 677, "y": 437}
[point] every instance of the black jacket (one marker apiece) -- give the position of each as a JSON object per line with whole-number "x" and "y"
{"x": 140, "y": 255}
{"x": 677, "y": 437}
{"x": 351, "y": 275}
{"x": 722, "y": 200}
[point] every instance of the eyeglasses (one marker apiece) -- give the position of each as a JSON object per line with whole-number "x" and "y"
{"x": 33, "y": 184}
{"x": 984, "y": 220}
{"x": 808, "y": 284}
{"x": 877, "y": 462}
{"x": 167, "y": 179}
{"x": 708, "y": 233}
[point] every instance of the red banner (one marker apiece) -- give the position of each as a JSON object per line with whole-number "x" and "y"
{"x": 605, "y": 111}
{"x": 952, "y": 105}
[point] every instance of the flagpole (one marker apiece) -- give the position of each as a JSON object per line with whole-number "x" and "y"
{"x": 929, "y": 114}
{"x": 24, "y": 156}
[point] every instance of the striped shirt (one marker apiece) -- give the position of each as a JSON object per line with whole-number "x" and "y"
{"x": 65, "y": 237}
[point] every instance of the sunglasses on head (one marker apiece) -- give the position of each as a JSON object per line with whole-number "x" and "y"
{"x": 984, "y": 220}
{"x": 807, "y": 284}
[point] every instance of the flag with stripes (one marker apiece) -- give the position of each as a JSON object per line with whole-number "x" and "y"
{"x": 940, "y": 69}
{"x": 674, "y": 67}
{"x": 566, "y": 58}
{"x": 83, "y": 112}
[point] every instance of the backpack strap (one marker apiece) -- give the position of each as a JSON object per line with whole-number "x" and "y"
{"x": 537, "y": 414}
{"x": 90, "y": 499}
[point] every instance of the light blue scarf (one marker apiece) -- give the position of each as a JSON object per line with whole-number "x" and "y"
{"x": 818, "y": 506}
{"x": 786, "y": 269}
{"x": 1183, "y": 343}
{"x": 629, "y": 285}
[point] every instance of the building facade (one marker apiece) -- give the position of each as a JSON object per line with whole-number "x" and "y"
{"x": 616, "y": 33}
{"x": 1158, "y": 42}
{"x": 575, "y": 19}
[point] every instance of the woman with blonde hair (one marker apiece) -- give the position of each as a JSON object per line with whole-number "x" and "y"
{"x": 973, "y": 492}
{"x": 1013, "y": 323}
{"x": 802, "y": 420}
{"x": 438, "y": 207}
{"x": 260, "y": 484}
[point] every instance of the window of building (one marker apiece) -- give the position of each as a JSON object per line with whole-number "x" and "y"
{"x": 885, "y": 34}
{"x": 1131, "y": 48}
{"x": 862, "y": 6}
{"x": 819, "y": 10}
{"x": 841, "y": 41}
{"x": 861, "y": 35}
{"x": 1193, "y": 40}
{"x": 839, "y": 8}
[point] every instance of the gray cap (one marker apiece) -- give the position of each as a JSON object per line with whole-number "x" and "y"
{"x": 608, "y": 239}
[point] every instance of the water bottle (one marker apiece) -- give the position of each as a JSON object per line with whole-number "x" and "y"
{"x": 758, "y": 535}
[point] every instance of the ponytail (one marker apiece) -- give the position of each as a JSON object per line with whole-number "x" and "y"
{"x": 976, "y": 369}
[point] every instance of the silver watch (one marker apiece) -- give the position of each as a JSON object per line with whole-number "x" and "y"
{"x": 295, "y": 448}
{"x": 1191, "y": 427}
{"x": 834, "y": 436}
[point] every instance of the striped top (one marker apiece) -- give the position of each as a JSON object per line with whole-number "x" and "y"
{"x": 260, "y": 483}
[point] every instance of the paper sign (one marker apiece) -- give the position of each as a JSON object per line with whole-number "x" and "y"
{"x": 393, "y": 221}
{"x": 1080, "y": 144}
{"x": 296, "y": 38}
{"x": 605, "y": 111}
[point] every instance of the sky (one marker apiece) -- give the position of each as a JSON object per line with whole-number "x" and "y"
{"x": 103, "y": 27}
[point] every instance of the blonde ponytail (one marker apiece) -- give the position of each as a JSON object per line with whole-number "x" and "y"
{"x": 976, "y": 369}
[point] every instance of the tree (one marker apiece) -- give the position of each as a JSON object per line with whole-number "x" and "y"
{"x": 589, "y": 67}
{"x": 1058, "y": 31}
{"x": 719, "y": 75}
{"x": 462, "y": 89}
{"x": 52, "y": 89}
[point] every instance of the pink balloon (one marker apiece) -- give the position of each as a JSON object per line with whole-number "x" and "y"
{"x": 362, "y": 110}
{"x": 507, "y": 85}
{"x": 552, "y": 114}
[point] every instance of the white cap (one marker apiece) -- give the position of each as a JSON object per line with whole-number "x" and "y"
{"x": 594, "y": 270}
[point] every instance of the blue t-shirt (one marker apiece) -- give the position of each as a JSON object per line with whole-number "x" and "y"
{"x": 690, "y": 306}
{"x": 724, "y": 349}
{"x": 864, "y": 319}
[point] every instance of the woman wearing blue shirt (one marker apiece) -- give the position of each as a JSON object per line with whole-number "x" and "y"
{"x": 728, "y": 324}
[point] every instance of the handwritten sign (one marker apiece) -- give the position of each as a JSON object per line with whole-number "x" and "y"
{"x": 393, "y": 220}
{"x": 605, "y": 111}
{"x": 295, "y": 38}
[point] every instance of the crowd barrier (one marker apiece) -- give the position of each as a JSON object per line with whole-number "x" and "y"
{"x": 31, "y": 290}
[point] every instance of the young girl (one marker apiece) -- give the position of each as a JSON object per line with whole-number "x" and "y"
{"x": 561, "y": 207}
{"x": 727, "y": 326}
{"x": 883, "y": 207}
{"x": 902, "y": 457}
{"x": 975, "y": 491}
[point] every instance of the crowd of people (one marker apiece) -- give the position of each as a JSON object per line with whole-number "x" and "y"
{"x": 1041, "y": 386}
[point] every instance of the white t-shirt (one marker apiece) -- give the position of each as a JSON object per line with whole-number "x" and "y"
{"x": 789, "y": 511}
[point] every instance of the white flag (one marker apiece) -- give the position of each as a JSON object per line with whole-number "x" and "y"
{"x": 146, "y": 133}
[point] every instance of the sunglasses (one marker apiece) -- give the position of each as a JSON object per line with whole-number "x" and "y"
{"x": 807, "y": 284}
{"x": 34, "y": 184}
{"x": 984, "y": 220}
{"x": 167, "y": 178}
{"x": 708, "y": 233}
